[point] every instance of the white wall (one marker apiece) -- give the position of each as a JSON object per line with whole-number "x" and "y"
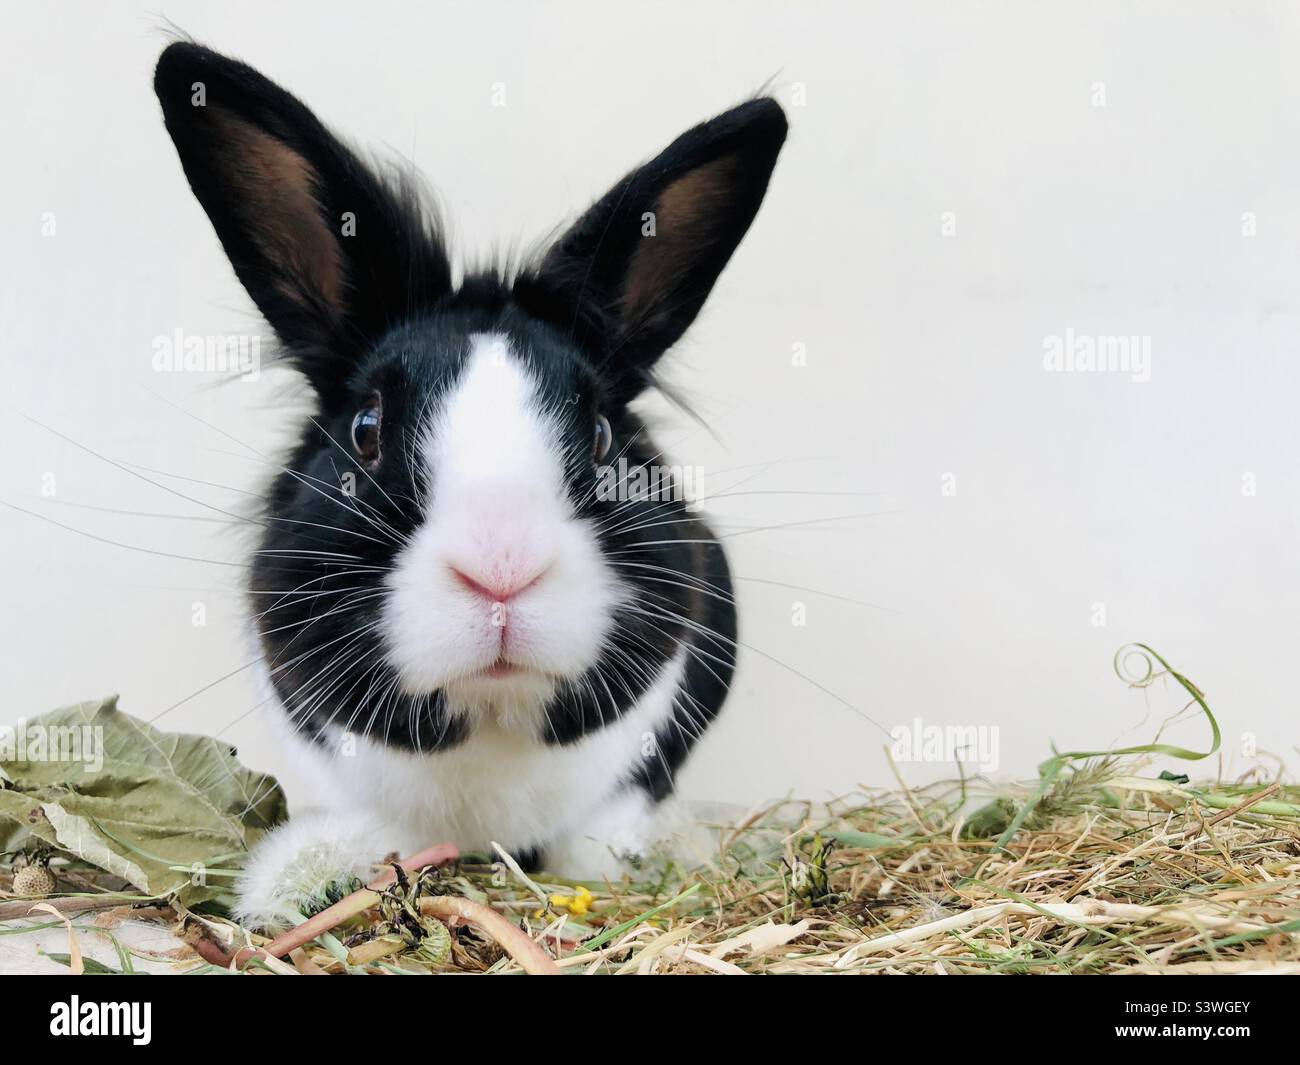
{"x": 924, "y": 350}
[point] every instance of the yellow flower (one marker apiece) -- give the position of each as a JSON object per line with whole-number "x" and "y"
{"x": 578, "y": 904}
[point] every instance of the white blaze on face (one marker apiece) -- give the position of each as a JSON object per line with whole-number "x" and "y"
{"x": 499, "y": 576}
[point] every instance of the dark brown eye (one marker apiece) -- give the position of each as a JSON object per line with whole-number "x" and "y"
{"x": 604, "y": 438}
{"x": 365, "y": 432}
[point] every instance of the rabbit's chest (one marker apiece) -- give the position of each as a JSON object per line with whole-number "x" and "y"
{"x": 500, "y": 784}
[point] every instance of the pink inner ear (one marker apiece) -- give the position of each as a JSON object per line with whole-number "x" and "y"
{"x": 685, "y": 229}
{"x": 278, "y": 203}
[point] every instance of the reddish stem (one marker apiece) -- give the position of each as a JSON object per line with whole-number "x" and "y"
{"x": 438, "y": 854}
{"x": 520, "y": 947}
{"x": 332, "y": 916}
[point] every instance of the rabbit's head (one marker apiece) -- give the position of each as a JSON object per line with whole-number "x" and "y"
{"x": 447, "y": 535}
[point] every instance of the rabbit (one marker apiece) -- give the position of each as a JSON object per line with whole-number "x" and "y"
{"x": 475, "y": 624}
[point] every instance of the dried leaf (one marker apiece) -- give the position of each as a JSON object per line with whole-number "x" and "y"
{"x": 154, "y": 801}
{"x": 74, "y": 948}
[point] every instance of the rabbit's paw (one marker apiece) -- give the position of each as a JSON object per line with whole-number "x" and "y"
{"x": 616, "y": 840}
{"x": 303, "y": 866}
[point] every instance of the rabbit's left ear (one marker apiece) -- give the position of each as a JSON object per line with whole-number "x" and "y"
{"x": 632, "y": 273}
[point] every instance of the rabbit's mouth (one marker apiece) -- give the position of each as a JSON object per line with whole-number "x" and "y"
{"x": 501, "y": 669}
{"x": 499, "y": 675}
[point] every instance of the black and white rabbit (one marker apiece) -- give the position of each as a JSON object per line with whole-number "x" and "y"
{"x": 467, "y": 639}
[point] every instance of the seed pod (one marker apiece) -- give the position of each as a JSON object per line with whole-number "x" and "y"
{"x": 34, "y": 880}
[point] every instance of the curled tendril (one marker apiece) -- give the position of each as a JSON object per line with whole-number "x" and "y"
{"x": 1147, "y": 659}
{"x": 1052, "y": 768}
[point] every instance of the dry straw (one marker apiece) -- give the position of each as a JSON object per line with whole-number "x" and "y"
{"x": 1099, "y": 866}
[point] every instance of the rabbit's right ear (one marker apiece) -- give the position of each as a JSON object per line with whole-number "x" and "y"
{"x": 329, "y": 253}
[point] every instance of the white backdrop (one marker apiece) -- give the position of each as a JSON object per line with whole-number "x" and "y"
{"x": 961, "y": 186}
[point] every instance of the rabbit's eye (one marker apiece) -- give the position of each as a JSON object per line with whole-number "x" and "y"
{"x": 604, "y": 438}
{"x": 365, "y": 433}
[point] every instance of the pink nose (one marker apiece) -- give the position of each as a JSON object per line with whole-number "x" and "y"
{"x": 497, "y": 587}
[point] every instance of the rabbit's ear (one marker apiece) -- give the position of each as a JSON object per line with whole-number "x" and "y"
{"x": 633, "y": 272}
{"x": 330, "y": 254}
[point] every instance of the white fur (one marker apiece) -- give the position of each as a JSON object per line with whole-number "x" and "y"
{"x": 297, "y": 862}
{"x": 497, "y": 511}
{"x": 501, "y": 786}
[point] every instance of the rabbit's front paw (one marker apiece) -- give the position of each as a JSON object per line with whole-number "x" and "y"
{"x": 303, "y": 866}
{"x": 614, "y": 840}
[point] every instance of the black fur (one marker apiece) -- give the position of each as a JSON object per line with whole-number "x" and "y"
{"x": 375, "y": 313}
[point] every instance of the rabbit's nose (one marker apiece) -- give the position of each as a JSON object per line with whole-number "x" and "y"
{"x": 499, "y": 585}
